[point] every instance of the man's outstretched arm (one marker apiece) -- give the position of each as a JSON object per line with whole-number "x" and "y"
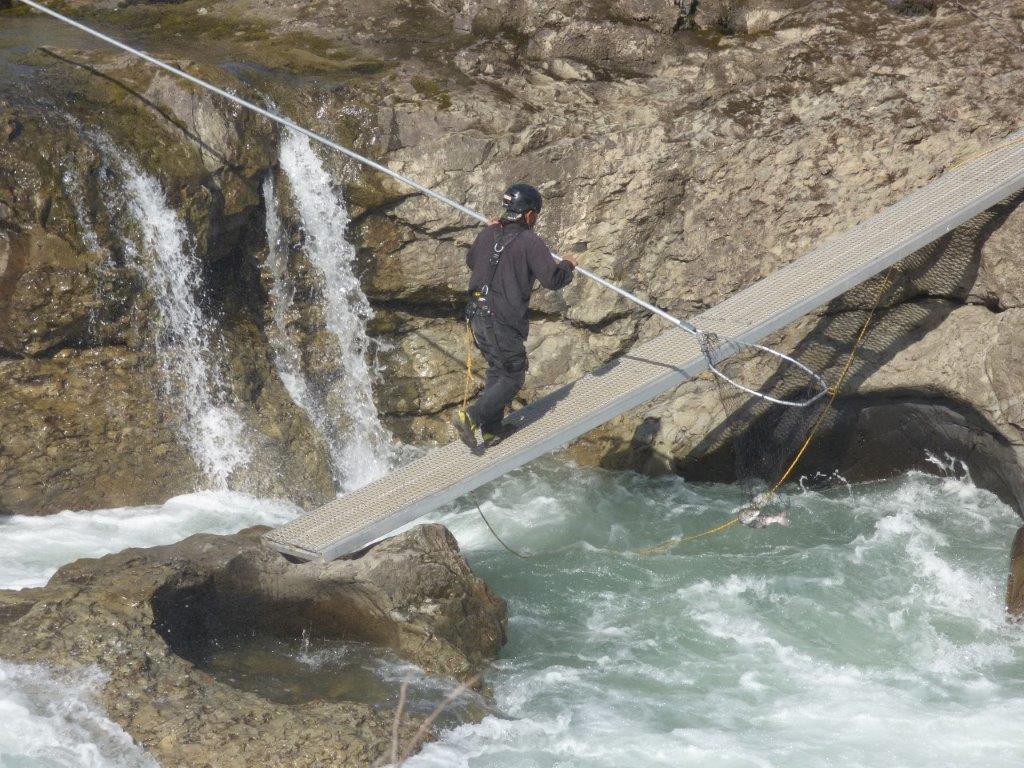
{"x": 551, "y": 273}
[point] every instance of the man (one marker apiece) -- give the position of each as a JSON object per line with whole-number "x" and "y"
{"x": 505, "y": 260}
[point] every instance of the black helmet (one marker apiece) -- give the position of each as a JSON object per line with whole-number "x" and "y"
{"x": 520, "y": 198}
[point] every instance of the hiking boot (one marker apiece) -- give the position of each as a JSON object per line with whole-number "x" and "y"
{"x": 466, "y": 429}
{"x": 489, "y": 438}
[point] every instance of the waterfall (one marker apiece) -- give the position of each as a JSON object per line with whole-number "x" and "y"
{"x": 287, "y": 358}
{"x": 76, "y": 194}
{"x": 365, "y": 447}
{"x": 165, "y": 256}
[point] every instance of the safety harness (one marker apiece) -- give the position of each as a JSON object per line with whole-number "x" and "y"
{"x": 479, "y": 303}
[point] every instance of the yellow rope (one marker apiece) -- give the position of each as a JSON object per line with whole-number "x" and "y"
{"x": 834, "y": 391}
{"x": 669, "y": 544}
{"x": 675, "y": 541}
{"x": 665, "y": 546}
{"x": 469, "y": 366}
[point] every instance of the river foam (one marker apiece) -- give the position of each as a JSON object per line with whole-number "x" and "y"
{"x": 33, "y": 548}
{"x": 51, "y": 721}
{"x": 870, "y": 633}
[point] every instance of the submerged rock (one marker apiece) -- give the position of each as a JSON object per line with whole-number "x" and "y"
{"x": 133, "y": 614}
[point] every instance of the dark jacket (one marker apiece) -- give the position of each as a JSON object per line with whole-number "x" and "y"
{"x": 525, "y": 259}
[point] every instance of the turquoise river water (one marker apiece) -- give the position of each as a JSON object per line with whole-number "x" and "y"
{"x": 869, "y": 633}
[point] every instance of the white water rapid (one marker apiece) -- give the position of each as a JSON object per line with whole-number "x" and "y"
{"x": 51, "y": 721}
{"x": 33, "y": 547}
{"x": 869, "y": 634}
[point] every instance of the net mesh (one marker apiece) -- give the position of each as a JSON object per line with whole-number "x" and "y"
{"x": 757, "y": 441}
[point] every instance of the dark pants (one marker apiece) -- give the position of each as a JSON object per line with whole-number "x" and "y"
{"x": 505, "y": 352}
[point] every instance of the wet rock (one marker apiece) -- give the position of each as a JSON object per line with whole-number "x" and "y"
{"x": 289, "y": 457}
{"x": 693, "y": 148}
{"x": 1015, "y": 581}
{"x": 416, "y": 595}
{"x": 48, "y": 284}
{"x": 81, "y": 430}
{"x": 45, "y": 294}
{"x": 130, "y": 614}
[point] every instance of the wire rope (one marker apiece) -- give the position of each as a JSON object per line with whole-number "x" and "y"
{"x": 684, "y": 325}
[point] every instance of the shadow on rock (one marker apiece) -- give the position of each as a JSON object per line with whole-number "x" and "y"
{"x": 758, "y": 440}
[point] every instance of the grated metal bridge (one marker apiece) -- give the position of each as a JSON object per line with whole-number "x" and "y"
{"x": 350, "y": 522}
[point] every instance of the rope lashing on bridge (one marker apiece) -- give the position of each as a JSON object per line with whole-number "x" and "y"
{"x": 833, "y": 393}
{"x": 705, "y": 338}
{"x": 761, "y": 499}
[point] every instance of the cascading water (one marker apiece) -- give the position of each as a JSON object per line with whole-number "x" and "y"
{"x": 76, "y": 194}
{"x": 364, "y": 446}
{"x": 287, "y": 357}
{"x": 165, "y": 256}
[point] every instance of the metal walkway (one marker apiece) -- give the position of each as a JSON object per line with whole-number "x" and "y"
{"x": 442, "y": 475}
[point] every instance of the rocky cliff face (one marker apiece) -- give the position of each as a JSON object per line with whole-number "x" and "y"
{"x": 685, "y": 149}
{"x": 86, "y": 413}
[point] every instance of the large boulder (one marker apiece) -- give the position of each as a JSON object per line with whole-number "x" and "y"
{"x": 137, "y": 615}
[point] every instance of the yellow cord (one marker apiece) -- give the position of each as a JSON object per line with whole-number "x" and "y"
{"x": 833, "y": 391}
{"x": 665, "y": 546}
{"x": 469, "y": 366}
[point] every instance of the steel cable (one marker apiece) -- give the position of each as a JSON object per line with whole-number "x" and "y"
{"x": 292, "y": 125}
